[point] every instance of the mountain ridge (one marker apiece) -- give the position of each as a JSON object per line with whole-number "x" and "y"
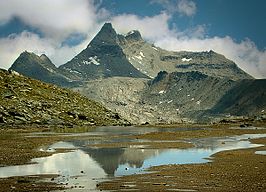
{"x": 144, "y": 83}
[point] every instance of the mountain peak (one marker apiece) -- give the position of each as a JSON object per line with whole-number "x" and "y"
{"x": 106, "y": 35}
{"x": 134, "y": 35}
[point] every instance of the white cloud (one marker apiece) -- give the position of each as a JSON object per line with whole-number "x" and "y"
{"x": 182, "y": 7}
{"x": 12, "y": 46}
{"x": 152, "y": 28}
{"x": 245, "y": 54}
{"x": 55, "y": 19}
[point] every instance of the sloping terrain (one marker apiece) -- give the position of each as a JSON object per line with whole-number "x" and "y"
{"x": 27, "y": 101}
{"x": 121, "y": 94}
{"x": 150, "y": 59}
{"x": 41, "y": 68}
{"x": 102, "y": 58}
{"x": 178, "y": 97}
{"x": 246, "y": 97}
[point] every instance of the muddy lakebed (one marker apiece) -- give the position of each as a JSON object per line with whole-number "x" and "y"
{"x": 81, "y": 161}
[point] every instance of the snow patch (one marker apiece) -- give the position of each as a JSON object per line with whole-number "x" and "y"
{"x": 73, "y": 71}
{"x": 192, "y": 99}
{"x": 94, "y": 60}
{"x": 141, "y": 54}
{"x": 185, "y": 59}
{"x": 85, "y": 62}
{"x": 155, "y": 48}
{"x": 130, "y": 32}
{"x": 170, "y": 101}
{"x": 138, "y": 57}
{"x": 198, "y": 102}
{"x": 162, "y": 92}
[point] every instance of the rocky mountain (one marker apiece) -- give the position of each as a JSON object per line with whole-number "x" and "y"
{"x": 113, "y": 55}
{"x": 102, "y": 58}
{"x": 41, "y": 68}
{"x": 150, "y": 59}
{"x": 27, "y": 101}
{"x": 144, "y": 83}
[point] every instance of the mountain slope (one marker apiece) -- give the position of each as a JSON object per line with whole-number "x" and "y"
{"x": 41, "y": 68}
{"x": 151, "y": 60}
{"x": 27, "y": 101}
{"x": 246, "y": 97}
{"x": 102, "y": 58}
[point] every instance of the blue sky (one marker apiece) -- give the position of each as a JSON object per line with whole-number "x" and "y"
{"x": 62, "y": 28}
{"x": 239, "y": 19}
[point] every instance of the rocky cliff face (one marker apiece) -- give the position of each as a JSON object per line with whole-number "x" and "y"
{"x": 27, "y": 101}
{"x": 102, "y": 58}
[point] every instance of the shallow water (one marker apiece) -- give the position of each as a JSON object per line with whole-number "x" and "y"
{"x": 84, "y": 166}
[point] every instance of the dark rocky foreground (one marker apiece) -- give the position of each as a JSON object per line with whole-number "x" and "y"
{"x": 27, "y": 101}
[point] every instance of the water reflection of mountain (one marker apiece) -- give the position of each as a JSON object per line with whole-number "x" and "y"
{"x": 111, "y": 158}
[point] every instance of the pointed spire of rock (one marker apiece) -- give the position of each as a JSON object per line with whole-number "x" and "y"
{"x": 106, "y": 35}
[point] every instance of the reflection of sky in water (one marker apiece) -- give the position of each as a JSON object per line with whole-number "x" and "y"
{"x": 261, "y": 152}
{"x": 84, "y": 165}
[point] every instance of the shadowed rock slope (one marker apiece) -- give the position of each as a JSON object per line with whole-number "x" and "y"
{"x": 102, "y": 58}
{"x": 41, "y": 68}
{"x": 178, "y": 97}
{"x": 27, "y": 101}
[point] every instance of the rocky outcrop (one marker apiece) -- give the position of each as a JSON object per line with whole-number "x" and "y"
{"x": 27, "y": 101}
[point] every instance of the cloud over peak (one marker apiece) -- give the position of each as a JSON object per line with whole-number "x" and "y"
{"x": 55, "y": 19}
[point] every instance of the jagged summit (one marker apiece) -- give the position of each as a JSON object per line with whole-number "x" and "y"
{"x": 106, "y": 35}
{"x": 103, "y": 58}
{"x": 39, "y": 67}
{"x": 133, "y": 35}
{"x": 110, "y": 54}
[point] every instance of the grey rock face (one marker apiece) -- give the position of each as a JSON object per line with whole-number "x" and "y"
{"x": 178, "y": 97}
{"x": 150, "y": 60}
{"x": 102, "y": 58}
